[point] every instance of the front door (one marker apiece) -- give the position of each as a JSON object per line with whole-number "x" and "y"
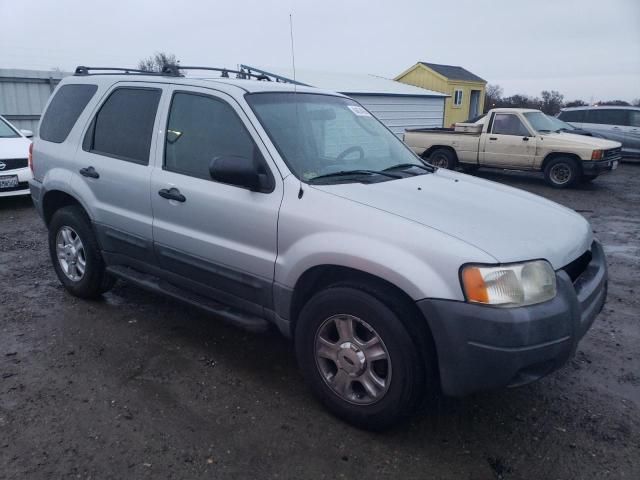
{"x": 508, "y": 143}
{"x": 221, "y": 237}
{"x": 474, "y": 106}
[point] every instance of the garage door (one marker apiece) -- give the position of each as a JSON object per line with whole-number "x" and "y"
{"x": 399, "y": 112}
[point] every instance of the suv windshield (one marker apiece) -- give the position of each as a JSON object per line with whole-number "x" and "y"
{"x": 331, "y": 137}
{"x": 6, "y": 131}
{"x": 541, "y": 122}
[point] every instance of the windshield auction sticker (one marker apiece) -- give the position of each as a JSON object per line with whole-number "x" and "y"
{"x": 359, "y": 111}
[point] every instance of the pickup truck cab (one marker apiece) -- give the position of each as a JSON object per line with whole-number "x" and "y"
{"x": 517, "y": 139}
{"x": 270, "y": 204}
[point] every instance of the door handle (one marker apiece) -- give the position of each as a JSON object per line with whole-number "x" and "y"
{"x": 525, "y": 139}
{"x": 89, "y": 172}
{"x": 172, "y": 194}
{"x": 493, "y": 138}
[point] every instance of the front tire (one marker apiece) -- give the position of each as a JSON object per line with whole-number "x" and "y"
{"x": 358, "y": 358}
{"x": 562, "y": 172}
{"x": 76, "y": 255}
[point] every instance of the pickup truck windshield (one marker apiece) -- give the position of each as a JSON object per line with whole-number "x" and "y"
{"x": 541, "y": 122}
{"x": 330, "y": 137}
{"x": 6, "y": 131}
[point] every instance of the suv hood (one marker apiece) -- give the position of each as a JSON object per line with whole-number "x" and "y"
{"x": 509, "y": 224}
{"x": 565, "y": 138}
{"x": 17, "y": 147}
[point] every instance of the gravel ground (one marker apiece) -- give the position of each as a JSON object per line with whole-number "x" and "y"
{"x": 138, "y": 386}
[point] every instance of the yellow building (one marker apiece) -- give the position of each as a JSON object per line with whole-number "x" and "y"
{"x": 466, "y": 90}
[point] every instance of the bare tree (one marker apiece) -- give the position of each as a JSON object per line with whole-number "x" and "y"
{"x": 620, "y": 103}
{"x": 492, "y": 95}
{"x": 575, "y": 103}
{"x": 551, "y": 102}
{"x": 636, "y": 102}
{"x": 157, "y": 62}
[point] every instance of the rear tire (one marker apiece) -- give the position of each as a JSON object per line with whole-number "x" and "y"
{"x": 76, "y": 255}
{"x": 442, "y": 158}
{"x": 562, "y": 172}
{"x": 398, "y": 368}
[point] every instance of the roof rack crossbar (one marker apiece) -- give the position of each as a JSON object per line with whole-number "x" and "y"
{"x": 243, "y": 73}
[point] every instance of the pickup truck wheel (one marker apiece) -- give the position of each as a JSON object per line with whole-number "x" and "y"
{"x": 358, "y": 358}
{"x": 442, "y": 158}
{"x": 75, "y": 254}
{"x": 562, "y": 172}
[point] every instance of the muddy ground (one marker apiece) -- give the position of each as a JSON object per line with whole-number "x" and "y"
{"x": 138, "y": 386}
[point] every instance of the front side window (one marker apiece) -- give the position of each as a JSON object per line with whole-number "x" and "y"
{"x": 123, "y": 127}
{"x": 202, "y": 128}
{"x": 544, "y": 123}
{"x": 64, "y": 110}
{"x": 319, "y": 135}
{"x": 509, "y": 124}
{"x": 607, "y": 116}
{"x": 457, "y": 97}
{"x": 6, "y": 131}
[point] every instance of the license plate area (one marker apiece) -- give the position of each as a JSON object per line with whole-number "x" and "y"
{"x": 614, "y": 164}
{"x": 8, "y": 181}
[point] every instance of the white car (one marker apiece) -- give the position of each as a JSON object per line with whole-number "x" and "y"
{"x": 14, "y": 160}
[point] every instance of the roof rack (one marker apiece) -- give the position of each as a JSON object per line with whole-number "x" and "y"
{"x": 82, "y": 70}
{"x": 245, "y": 73}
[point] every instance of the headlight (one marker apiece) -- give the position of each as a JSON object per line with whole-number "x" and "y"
{"x": 513, "y": 285}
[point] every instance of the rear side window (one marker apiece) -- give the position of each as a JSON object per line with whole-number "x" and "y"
{"x": 634, "y": 118}
{"x": 577, "y": 116}
{"x": 200, "y": 129}
{"x": 124, "y": 125}
{"x": 64, "y": 109}
{"x": 608, "y": 116}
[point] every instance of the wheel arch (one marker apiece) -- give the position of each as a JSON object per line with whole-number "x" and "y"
{"x": 54, "y": 200}
{"x": 554, "y": 155}
{"x": 427, "y": 153}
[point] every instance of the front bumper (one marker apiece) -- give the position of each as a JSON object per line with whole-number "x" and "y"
{"x": 483, "y": 348}
{"x": 593, "y": 167}
{"x": 24, "y": 175}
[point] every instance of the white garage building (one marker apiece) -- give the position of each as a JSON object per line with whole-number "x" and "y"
{"x": 399, "y": 106}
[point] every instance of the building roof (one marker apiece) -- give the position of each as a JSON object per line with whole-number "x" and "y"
{"x": 453, "y": 72}
{"x": 349, "y": 83}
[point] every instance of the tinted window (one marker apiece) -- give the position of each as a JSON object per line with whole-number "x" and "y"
{"x": 608, "y": 116}
{"x": 573, "y": 116}
{"x": 201, "y": 128}
{"x": 64, "y": 109}
{"x": 124, "y": 125}
{"x": 634, "y": 118}
{"x": 507, "y": 124}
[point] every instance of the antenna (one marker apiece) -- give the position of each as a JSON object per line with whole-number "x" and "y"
{"x": 295, "y": 92}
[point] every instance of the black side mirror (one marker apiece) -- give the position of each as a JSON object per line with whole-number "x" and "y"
{"x": 235, "y": 170}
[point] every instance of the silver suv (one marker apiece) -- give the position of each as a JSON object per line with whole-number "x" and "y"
{"x": 621, "y": 124}
{"x": 275, "y": 204}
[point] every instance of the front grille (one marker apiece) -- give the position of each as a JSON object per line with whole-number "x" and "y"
{"x": 12, "y": 164}
{"x": 612, "y": 154}
{"x": 578, "y": 266}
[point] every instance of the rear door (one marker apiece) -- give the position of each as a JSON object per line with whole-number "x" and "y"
{"x": 220, "y": 237}
{"x": 607, "y": 122}
{"x": 113, "y": 170}
{"x": 508, "y": 142}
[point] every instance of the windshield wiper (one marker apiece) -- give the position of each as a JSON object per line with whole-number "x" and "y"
{"x": 402, "y": 166}
{"x": 347, "y": 173}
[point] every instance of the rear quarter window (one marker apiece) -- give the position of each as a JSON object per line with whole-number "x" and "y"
{"x": 64, "y": 110}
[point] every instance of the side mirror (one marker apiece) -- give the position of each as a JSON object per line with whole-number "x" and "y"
{"x": 236, "y": 170}
{"x": 27, "y": 133}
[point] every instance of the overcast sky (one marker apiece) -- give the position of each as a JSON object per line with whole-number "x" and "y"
{"x": 588, "y": 49}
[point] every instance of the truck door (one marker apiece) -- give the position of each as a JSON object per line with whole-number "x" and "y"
{"x": 507, "y": 143}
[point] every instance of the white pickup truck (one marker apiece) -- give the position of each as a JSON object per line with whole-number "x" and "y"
{"x": 517, "y": 139}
